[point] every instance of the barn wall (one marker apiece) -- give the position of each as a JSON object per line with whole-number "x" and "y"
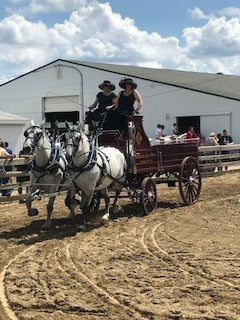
{"x": 13, "y": 134}
{"x": 162, "y": 103}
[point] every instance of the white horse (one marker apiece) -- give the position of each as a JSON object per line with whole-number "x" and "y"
{"x": 91, "y": 171}
{"x": 47, "y": 168}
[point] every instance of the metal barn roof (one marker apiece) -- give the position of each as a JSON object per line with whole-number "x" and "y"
{"x": 227, "y": 86}
{"x": 217, "y": 84}
{"x": 6, "y": 117}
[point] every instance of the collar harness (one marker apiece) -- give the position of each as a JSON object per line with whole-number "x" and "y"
{"x": 92, "y": 159}
{"x": 56, "y": 155}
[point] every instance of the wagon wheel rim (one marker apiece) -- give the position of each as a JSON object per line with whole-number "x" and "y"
{"x": 95, "y": 203}
{"x": 149, "y": 195}
{"x": 190, "y": 181}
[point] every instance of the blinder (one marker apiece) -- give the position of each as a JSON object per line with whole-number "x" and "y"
{"x": 70, "y": 140}
{"x": 36, "y": 136}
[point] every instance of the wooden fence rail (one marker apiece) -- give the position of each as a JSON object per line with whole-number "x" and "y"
{"x": 212, "y": 161}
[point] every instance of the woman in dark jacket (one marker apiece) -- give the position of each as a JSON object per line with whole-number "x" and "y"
{"x": 103, "y": 103}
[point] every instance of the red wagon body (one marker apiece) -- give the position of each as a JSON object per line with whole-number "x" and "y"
{"x": 150, "y": 164}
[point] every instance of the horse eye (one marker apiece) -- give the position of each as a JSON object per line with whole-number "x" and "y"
{"x": 25, "y": 134}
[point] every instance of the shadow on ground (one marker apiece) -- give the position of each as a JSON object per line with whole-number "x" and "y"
{"x": 62, "y": 227}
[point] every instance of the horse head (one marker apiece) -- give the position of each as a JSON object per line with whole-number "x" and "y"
{"x": 34, "y": 136}
{"x": 75, "y": 138}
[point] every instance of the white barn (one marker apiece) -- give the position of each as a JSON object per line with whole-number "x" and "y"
{"x": 64, "y": 89}
{"x": 11, "y": 129}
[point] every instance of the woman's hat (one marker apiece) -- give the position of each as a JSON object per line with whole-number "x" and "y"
{"x": 212, "y": 134}
{"x": 124, "y": 81}
{"x": 107, "y": 83}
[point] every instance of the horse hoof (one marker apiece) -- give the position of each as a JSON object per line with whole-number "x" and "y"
{"x": 116, "y": 208}
{"x": 105, "y": 218}
{"x": 46, "y": 225}
{"x": 32, "y": 212}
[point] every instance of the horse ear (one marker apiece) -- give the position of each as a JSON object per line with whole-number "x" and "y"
{"x": 80, "y": 127}
{"x": 67, "y": 125}
{"x": 32, "y": 123}
{"x": 42, "y": 124}
{"x": 86, "y": 128}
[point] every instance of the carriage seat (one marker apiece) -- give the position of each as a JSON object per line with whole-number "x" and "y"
{"x": 112, "y": 138}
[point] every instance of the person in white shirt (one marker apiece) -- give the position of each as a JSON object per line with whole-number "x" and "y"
{"x": 212, "y": 140}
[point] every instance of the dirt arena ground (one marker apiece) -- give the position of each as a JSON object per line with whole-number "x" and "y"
{"x": 178, "y": 263}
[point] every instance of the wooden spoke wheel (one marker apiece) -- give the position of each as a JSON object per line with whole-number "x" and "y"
{"x": 95, "y": 203}
{"x": 148, "y": 197}
{"x": 190, "y": 181}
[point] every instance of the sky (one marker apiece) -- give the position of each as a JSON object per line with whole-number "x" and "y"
{"x": 191, "y": 35}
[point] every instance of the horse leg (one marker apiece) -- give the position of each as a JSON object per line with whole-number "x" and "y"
{"x": 86, "y": 201}
{"x": 106, "y": 196}
{"x": 70, "y": 201}
{"x": 116, "y": 206}
{"x": 31, "y": 211}
{"x": 47, "y": 223}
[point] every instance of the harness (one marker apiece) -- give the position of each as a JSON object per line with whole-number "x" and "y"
{"x": 92, "y": 161}
{"x": 53, "y": 163}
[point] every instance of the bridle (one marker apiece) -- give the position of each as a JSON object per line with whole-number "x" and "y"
{"x": 34, "y": 138}
{"x": 70, "y": 140}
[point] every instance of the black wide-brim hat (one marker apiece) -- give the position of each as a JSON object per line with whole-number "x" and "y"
{"x": 124, "y": 81}
{"x": 107, "y": 83}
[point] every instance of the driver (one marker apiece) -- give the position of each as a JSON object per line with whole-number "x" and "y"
{"x": 127, "y": 97}
{"x": 104, "y": 102}
{"x": 124, "y": 104}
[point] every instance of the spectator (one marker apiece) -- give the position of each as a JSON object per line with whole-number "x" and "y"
{"x": 4, "y": 154}
{"x": 24, "y": 153}
{"x": 162, "y": 127}
{"x": 219, "y": 137}
{"x": 158, "y": 132}
{"x": 225, "y": 138}
{"x": 8, "y": 148}
{"x": 191, "y": 134}
{"x": 212, "y": 140}
{"x": 9, "y": 151}
{"x": 202, "y": 141}
{"x": 175, "y": 129}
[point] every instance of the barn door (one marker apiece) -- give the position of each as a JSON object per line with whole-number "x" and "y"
{"x": 61, "y": 108}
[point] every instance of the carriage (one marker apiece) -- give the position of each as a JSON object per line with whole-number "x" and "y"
{"x": 140, "y": 166}
{"x": 149, "y": 165}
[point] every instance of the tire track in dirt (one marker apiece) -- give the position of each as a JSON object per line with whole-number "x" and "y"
{"x": 145, "y": 247}
{"x": 100, "y": 291}
{"x": 192, "y": 268}
{"x": 3, "y": 294}
{"x": 222, "y": 199}
{"x": 46, "y": 303}
{"x": 132, "y": 234}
